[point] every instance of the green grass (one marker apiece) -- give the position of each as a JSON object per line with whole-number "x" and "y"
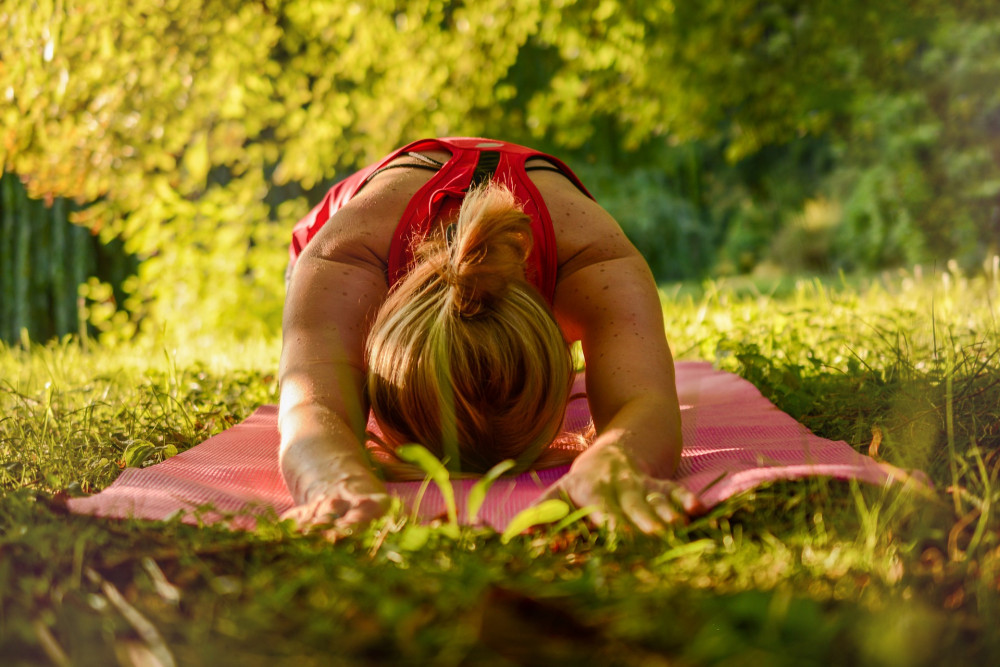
{"x": 813, "y": 572}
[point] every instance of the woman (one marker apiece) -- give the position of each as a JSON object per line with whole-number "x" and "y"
{"x": 442, "y": 285}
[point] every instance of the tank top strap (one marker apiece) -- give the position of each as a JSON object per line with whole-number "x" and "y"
{"x": 517, "y": 155}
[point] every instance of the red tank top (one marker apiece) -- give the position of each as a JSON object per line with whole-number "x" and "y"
{"x": 472, "y": 160}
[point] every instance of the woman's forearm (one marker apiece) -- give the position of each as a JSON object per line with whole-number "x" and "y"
{"x": 318, "y": 449}
{"x": 322, "y": 420}
{"x": 326, "y": 470}
{"x": 647, "y": 430}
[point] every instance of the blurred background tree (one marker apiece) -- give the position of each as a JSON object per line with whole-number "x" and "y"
{"x": 728, "y": 136}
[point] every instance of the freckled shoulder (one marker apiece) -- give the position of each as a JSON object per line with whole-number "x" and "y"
{"x": 361, "y": 231}
{"x": 585, "y": 233}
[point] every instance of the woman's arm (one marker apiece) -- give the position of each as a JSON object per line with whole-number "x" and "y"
{"x": 336, "y": 289}
{"x": 333, "y": 295}
{"x": 322, "y": 415}
{"x": 612, "y": 306}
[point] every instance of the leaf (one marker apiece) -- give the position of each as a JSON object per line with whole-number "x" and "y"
{"x": 196, "y": 160}
{"x": 536, "y": 515}
{"x": 433, "y": 468}
{"x": 572, "y": 518}
{"x": 137, "y": 453}
{"x": 477, "y": 494}
{"x": 414, "y": 537}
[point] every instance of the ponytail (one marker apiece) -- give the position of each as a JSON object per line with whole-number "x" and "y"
{"x": 486, "y": 251}
{"x": 464, "y": 357}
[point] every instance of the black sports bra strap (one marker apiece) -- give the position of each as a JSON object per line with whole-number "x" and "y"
{"x": 544, "y": 168}
{"x": 485, "y": 167}
{"x": 375, "y": 173}
{"x": 549, "y": 166}
{"x": 420, "y": 156}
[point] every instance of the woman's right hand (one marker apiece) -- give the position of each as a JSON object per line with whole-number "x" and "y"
{"x": 352, "y": 497}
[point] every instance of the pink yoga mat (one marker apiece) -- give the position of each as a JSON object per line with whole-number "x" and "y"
{"x": 733, "y": 437}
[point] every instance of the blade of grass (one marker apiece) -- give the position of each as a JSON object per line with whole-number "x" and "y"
{"x": 574, "y": 516}
{"x": 477, "y": 494}
{"x": 984, "y": 515}
{"x": 949, "y": 417}
{"x": 435, "y": 470}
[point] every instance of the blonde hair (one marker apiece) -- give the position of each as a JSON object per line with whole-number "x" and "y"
{"x": 464, "y": 357}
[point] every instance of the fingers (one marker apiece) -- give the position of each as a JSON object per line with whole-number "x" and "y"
{"x": 647, "y": 504}
{"x": 685, "y": 498}
{"x": 641, "y": 511}
{"x": 665, "y": 508}
{"x": 656, "y": 510}
{"x": 338, "y": 514}
{"x": 323, "y": 511}
{"x": 365, "y": 510}
{"x": 651, "y": 504}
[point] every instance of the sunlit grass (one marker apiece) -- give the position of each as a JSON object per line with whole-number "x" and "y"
{"x": 903, "y": 366}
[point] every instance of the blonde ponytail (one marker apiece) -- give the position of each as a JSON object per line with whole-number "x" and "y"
{"x": 486, "y": 251}
{"x": 464, "y": 357}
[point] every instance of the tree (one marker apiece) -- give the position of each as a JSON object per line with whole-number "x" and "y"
{"x": 199, "y": 130}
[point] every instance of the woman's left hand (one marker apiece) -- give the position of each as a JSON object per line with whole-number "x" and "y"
{"x": 606, "y": 479}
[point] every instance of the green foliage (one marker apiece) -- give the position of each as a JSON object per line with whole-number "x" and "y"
{"x": 437, "y": 473}
{"x": 477, "y": 494}
{"x": 198, "y": 131}
{"x": 684, "y": 68}
{"x": 55, "y": 276}
{"x": 174, "y": 119}
{"x": 663, "y": 206}
{"x": 762, "y": 204}
{"x": 921, "y": 179}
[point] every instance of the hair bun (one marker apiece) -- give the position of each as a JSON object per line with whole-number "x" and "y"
{"x": 488, "y": 248}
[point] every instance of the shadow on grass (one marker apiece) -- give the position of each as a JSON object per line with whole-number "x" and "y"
{"x": 911, "y": 417}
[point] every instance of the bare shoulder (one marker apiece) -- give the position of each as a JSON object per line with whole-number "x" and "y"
{"x": 603, "y": 282}
{"x": 585, "y": 233}
{"x": 361, "y": 231}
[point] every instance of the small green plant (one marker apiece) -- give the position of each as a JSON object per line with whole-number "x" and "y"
{"x": 477, "y": 494}
{"x": 545, "y": 512}
{"x": 436, "y": 472}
